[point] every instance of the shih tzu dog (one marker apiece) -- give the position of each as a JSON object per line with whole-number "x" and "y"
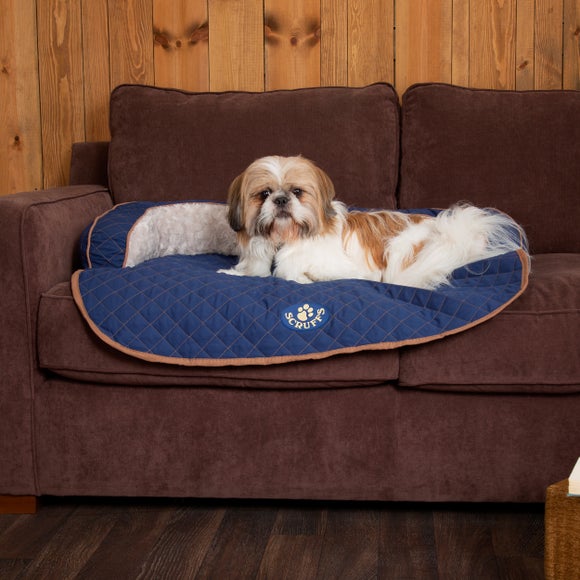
{"x": 289, "y": 225}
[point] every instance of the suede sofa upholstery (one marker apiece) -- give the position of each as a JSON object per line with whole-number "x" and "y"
{"x": 490, "y": 414}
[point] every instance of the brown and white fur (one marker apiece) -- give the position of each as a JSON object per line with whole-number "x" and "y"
{"x": 289, "y": 224}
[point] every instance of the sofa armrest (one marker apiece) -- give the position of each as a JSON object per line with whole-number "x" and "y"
{"x": 39, "y": 233}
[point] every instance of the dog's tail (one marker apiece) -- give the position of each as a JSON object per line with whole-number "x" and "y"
{"x": 483, "y": 233}
{"x": 458, "y": 236}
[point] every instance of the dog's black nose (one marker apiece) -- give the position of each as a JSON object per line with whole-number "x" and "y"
{"x": 281, "y": 201}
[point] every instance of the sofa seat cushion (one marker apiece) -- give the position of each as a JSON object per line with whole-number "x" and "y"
{"x": 165, "y": 142}
{"x": 68, "y": 347}
{"x": 532, "y": 346}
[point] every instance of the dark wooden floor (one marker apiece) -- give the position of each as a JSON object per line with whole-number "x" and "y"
{"x": 176, "y": 539}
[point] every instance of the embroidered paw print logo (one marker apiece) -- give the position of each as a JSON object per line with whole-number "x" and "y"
{"x": 305, "y": 316}
{"x": 305, "y": 312}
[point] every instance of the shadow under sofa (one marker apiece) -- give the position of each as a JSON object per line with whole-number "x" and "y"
{"x": 490, "y": 414}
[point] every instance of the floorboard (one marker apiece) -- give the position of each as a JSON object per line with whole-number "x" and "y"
{"x": 174, "y": 539}
{"x": 407, "y": 543}
{"x": 240, "y": 543}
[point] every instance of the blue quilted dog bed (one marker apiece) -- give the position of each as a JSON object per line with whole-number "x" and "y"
{"x": 178, "y": 309}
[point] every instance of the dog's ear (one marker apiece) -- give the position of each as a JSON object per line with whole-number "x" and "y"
{"x": 236, "y": 205}
{"x": 327, "y": 192}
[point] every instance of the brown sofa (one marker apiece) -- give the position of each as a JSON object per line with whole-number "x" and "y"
{"x": 490, "y": 414}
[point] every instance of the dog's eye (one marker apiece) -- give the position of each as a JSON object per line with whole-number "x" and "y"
{"x": 264, "y": 194}
{"x": 297, "y": 192}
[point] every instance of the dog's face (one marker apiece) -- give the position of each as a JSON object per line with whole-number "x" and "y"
{"x": 282, "y": 198}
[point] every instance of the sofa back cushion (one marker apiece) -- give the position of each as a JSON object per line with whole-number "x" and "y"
{"x": 170, "y": 144}
{"x": 517, "y": 151}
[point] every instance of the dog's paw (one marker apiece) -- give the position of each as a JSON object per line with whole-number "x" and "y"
{"x": 303, "y": 279}
{"x": 294, "y": 275}
{"x": 230, "y": 272}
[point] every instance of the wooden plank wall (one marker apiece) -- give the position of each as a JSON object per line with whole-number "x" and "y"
{"x": 59, "y": 59}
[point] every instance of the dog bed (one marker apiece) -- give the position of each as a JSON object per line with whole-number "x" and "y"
{"x": 149, "y": 287}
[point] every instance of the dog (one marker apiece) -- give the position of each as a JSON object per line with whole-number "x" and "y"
{"x": 288, "y": 224}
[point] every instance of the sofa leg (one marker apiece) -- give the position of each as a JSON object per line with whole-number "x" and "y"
{"x": 18, "y": 504}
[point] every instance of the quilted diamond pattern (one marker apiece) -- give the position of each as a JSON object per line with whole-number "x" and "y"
{"x": 104, "y": 242}
{"x": 178, "y": 309}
